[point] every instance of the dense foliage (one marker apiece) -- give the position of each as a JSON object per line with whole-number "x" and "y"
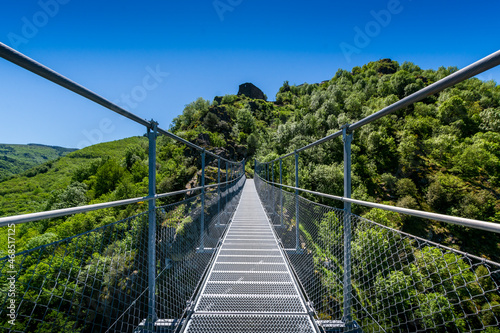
{"x": 440, "y": 155}
{"x": 100, "y": 173}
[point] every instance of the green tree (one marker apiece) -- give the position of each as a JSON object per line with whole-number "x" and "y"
{"x": 133, "y": 154}
{"x": 74, "y": 195}
{"x": 384, "y": 217}
{"x": 452, "y": 110}
{"x": 399, "y": 81}
{"x": 107, "y": 177}
{"x": 406, "y": 186}
{"x": 245, "y": 120}
{"x": 490, "y": 119}
{"x": 253, "y": 143}
{"x": 211, "y": 121}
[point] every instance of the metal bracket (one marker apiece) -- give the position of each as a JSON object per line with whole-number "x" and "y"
{"x": 294, "y": 251}
{"x": 310, "y": 308}
{"x": 161, "y": 325}
{"x": 205, "y": 250}
{"x": 346, "y": 133}
{"x": 331, "y": 326}
{"x": 190, "y": 307}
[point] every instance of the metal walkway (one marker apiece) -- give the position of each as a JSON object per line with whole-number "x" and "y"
{"x": 250, "y": 287}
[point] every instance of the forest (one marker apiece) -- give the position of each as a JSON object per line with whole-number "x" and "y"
{"x": 439, "y": 155}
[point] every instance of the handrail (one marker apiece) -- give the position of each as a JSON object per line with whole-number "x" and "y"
{"x": 470, "y": 223}
{"x": 473, "y": 69}
{"x": 24, "y": 218}
{"x": 35, "y": 67}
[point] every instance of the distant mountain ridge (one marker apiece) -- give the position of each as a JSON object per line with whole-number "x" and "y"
{"x": 17, "y": 158}
{"x": 49, "y": 146}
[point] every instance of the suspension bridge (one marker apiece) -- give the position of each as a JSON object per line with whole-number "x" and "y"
{"x": 247, "y": 255}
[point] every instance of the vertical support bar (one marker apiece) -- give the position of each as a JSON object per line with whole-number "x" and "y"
{"x": 347, "y": 138}
{"x": 244, "y": 166}
{"x": 281, "y": 192}
{"x": 227, "y": 187}
{"x": 152, "y": 133}
{"x": 272, "y": 192}
{"x": 297, "y": 231}
{"x": 268, "y": 187}
{"x": 202, "y": 217}
{"x": 272, "y": 172}
{"x": 231, "y": 184}
{"x": 218, "y": 191}
{"x": 255, "y": 173}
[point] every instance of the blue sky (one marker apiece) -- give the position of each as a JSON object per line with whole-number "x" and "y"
{"x": 154, "y": 57}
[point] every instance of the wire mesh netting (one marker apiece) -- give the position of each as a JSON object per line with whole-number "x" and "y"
{"x": 97, "y": 281}
{"x": 186, "y": 254}
{"x": 80, "y": 283}
{"x": 400, "y": 283}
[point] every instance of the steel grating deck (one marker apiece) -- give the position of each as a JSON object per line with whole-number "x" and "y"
{"x": 250, "y": 287}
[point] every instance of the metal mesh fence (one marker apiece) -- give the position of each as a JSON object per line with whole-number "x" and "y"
{"x": 184, "y": 253}
{"x": 400, "y": 283}
{"x": 80, "y": 283}
{"x": 97, "y": 281}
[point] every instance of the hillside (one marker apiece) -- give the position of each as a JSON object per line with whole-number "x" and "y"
{"x": 29, "y": 191}
{"x": 100, "y": 173}
{"x": 54, "y": 185}
{"x": 439, "y": 155}
{"x": 15, "y": 159}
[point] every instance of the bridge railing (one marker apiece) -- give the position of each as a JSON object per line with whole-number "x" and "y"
{"x": 400, "y": 282}
{"x": 271, "y": 192}
{"x": 116, "y": 267}
{"x": 98, "y": 280}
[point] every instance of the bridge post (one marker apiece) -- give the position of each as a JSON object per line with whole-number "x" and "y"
{"x": 281, "y": 192}
{"x": 152, "y": 134}
{"x": 268, "y": 166}
{"x": 202, "y": 216}
{"x": 227, "y": 186}
{"x": 297, "y": 231}
{"x": 273, "y": 210}
{"x": 218, "y": 191}
{"x": 347, "y": 138}
{"x": 255, "y": 168}
{"x": 231, "y": 180}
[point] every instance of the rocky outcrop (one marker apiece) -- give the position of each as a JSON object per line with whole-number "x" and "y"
{"x": 250, "y": 90}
